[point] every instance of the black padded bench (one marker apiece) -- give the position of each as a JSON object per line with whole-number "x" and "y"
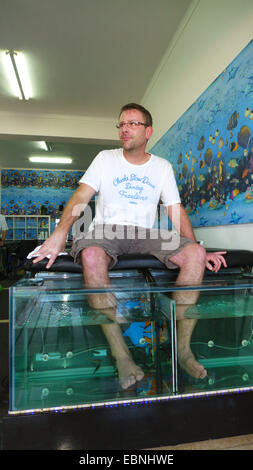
{"x": 237, "y": 261}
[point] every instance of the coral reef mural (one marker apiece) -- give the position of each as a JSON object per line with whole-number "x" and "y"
{"x": 211, "y": 148}
{"x": 37, "y": 191}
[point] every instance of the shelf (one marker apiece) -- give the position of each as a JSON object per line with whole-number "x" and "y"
{"x": 28, "y": 227}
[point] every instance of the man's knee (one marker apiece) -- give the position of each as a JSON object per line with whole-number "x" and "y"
{"x": 94, "y": 256}
{"x": 194, "y": 253}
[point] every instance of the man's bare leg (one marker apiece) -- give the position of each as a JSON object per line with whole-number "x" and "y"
{"x": 191, "y": 261}
{"x": 95, "y": 267}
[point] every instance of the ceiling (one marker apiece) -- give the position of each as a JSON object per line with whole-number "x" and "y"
{"x": 85, "y": 58}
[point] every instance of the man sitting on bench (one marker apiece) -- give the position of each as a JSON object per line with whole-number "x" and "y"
{"x": 130, "y": 183}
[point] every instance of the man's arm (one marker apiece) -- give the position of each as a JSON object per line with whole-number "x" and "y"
{"x": 183, "y": 225}
{"x": 56, "y": 242}
{"x": 181, "y": 221}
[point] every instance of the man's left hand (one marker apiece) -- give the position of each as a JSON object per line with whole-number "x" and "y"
{"x": 215, "y": 260}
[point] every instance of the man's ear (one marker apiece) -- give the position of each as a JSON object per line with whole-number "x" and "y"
{"x": 149, "y": 132}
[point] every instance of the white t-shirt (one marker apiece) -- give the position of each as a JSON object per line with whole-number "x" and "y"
{"x": 129, "y": 194}
{"x": 3, "y": 224}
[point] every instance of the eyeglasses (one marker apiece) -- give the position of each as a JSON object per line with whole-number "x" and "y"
{"x": 130, "y": 124}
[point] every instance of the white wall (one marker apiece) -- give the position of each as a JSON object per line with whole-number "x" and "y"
{"x": 211, "y": 35}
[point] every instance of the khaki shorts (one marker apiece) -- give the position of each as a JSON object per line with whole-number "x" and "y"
{"x": 127, "y": 239}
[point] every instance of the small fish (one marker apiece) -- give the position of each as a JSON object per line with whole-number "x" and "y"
{"x": 233, "y": 121}
{"x": 245, "y": 172}
{"x": 233, "y": 146}
{"x": 98, "y": 366}
{"x": 219, "y": 154}
{"x": 234, "y": 193}
{"x": 201, "y": 178}
{"x": 247, "y": 112}
{"x": 221, "y": 142}
{"x": 233, "y": 163}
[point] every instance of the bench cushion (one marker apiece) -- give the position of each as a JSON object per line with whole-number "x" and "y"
{"x": 234, "y": 258}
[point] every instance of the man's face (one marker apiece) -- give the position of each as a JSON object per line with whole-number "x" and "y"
{"x": 134, "y": 138}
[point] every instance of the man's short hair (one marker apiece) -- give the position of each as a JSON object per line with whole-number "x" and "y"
{"x": 139, "y": 107}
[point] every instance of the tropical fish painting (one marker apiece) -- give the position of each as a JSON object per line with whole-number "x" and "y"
{"x": 216, "y": 188}
{"x": 28, "y": 191}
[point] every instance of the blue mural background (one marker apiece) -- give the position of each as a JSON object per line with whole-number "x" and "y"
{"x": 211, "y": 148}
{"x": 25, "y": 191}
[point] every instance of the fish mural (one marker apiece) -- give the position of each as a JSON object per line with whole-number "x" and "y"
{"x": 31, "y": 191}
{"x": 216, "y": 186}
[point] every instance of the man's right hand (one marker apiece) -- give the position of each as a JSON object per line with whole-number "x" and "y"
{"x": 52, "y": 246}
{"x": 56, "y": 242}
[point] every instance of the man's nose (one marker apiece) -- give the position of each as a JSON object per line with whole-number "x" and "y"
{"x": 124, "y": 126}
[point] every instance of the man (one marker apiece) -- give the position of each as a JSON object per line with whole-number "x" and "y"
{"x": 3, "y": 229}
{"x": 130, "y": 183}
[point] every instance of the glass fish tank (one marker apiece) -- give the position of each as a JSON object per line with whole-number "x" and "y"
{"x": 60, "y": 356}
{"x": 221, "y": 334}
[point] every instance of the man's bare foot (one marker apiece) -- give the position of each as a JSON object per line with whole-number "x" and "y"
{"x": 190, "y": 365}
{"x": 129, "y": 372}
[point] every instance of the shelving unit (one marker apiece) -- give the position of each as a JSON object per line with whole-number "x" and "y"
{"x": 28, "y": 227}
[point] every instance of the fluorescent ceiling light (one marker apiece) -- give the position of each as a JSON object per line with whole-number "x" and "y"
{"x": 50, "y": 159}
{"x": 16, "y": 69}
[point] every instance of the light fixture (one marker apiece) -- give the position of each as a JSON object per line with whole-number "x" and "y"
{"x": 15, "y": 65}
{"x": 50, "y": 159}
{"x": 46, "y": 146}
